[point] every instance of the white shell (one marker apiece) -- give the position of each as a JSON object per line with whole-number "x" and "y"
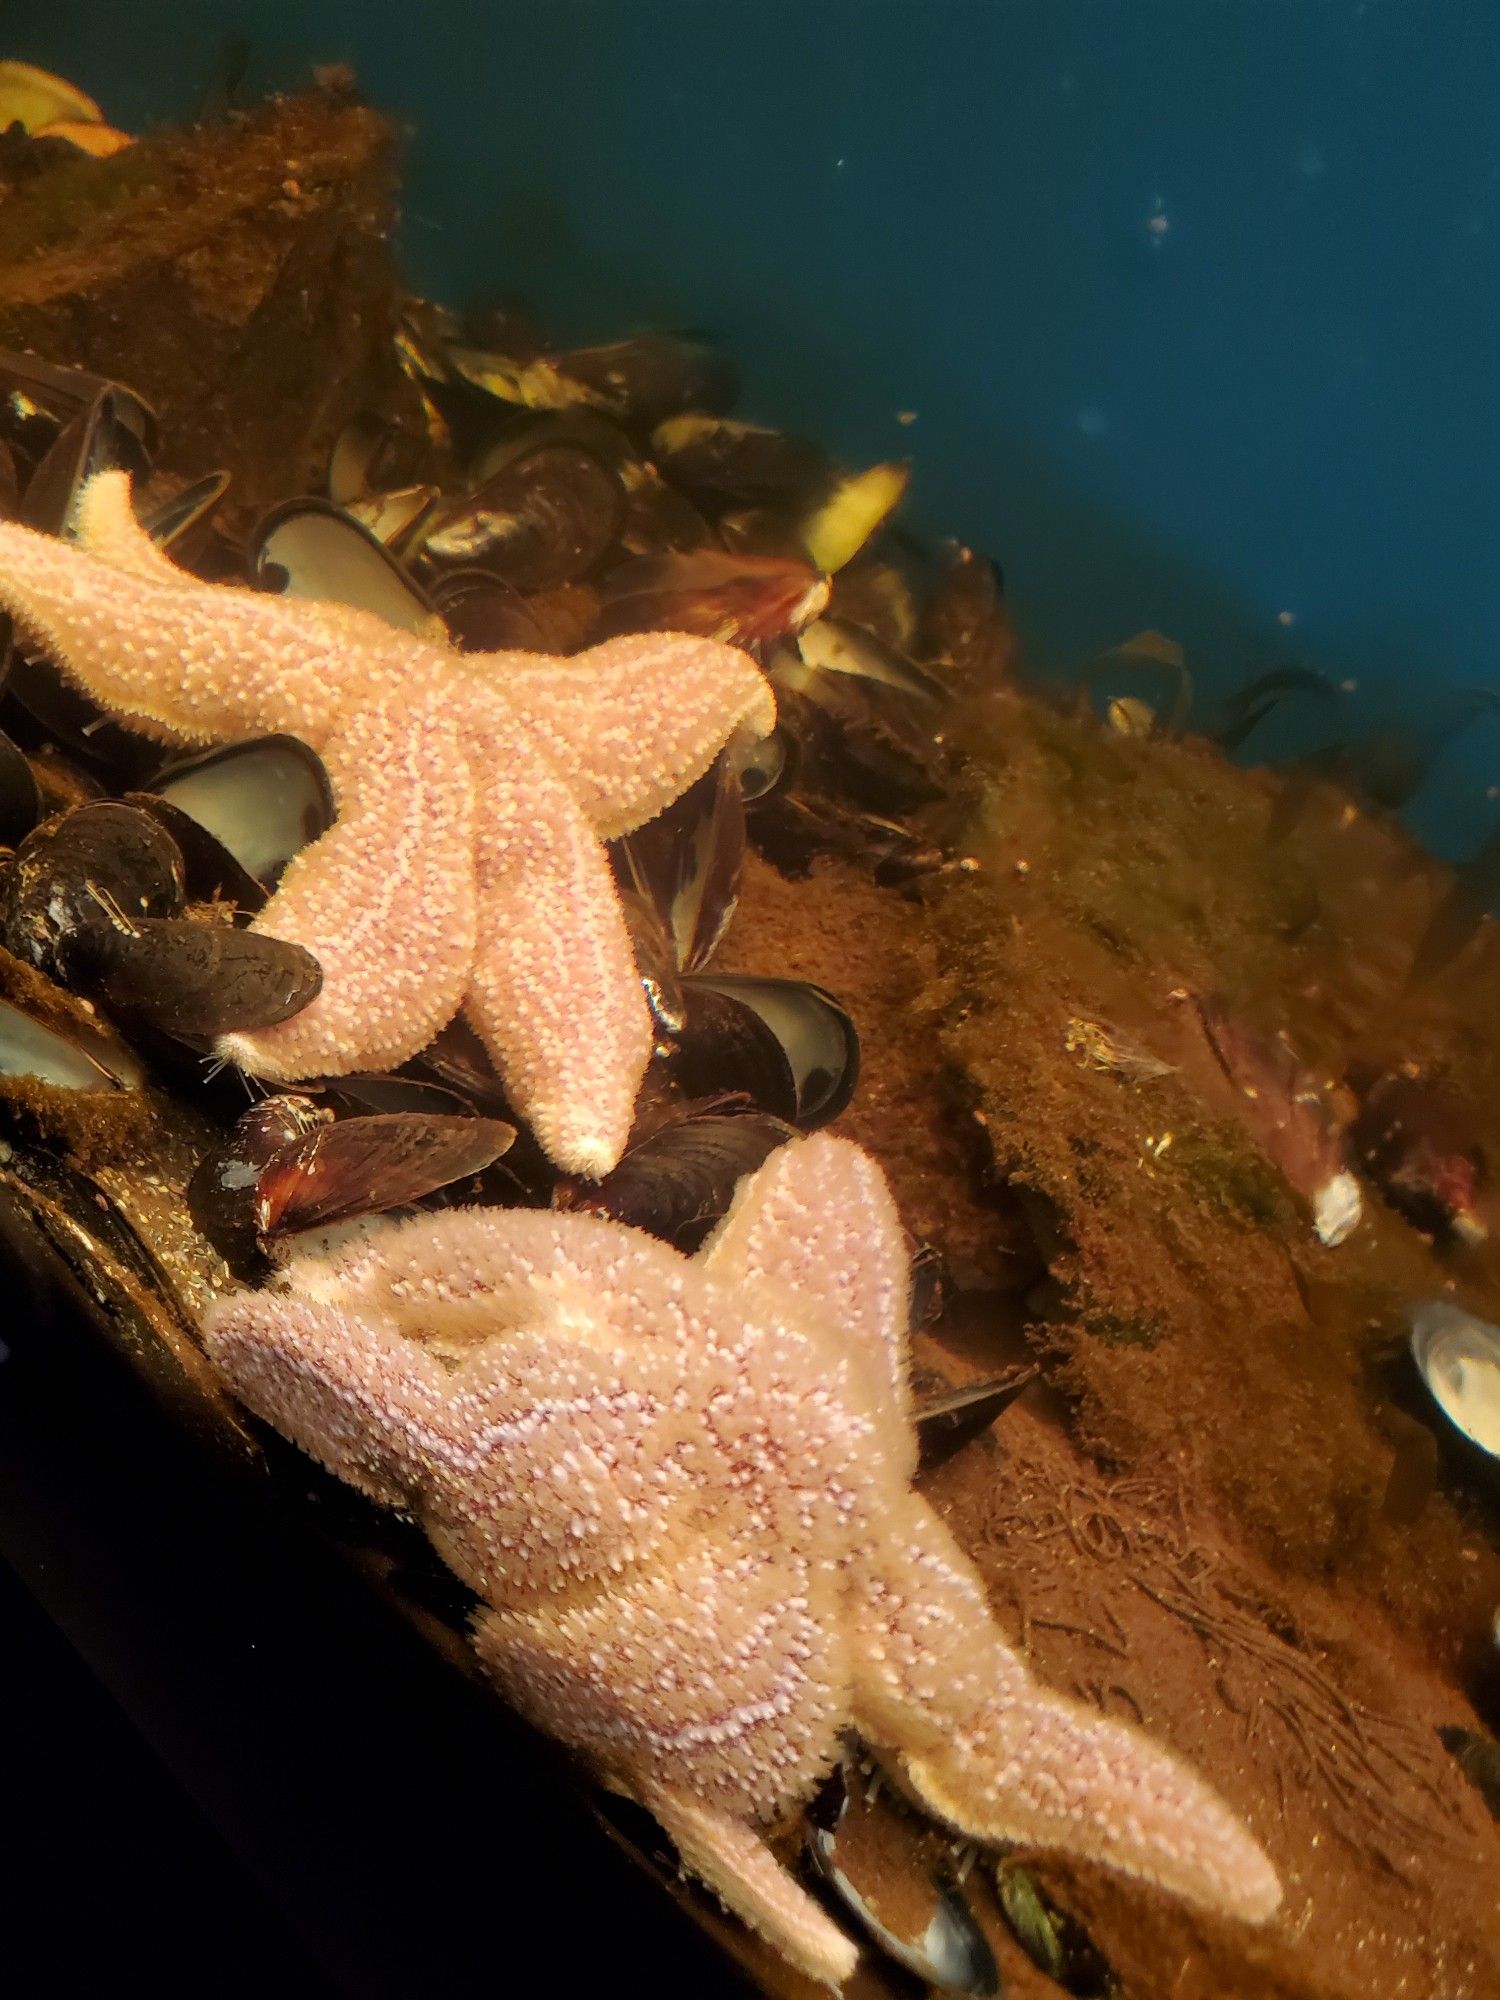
{"x": 1337, "y": 1208}
{"x": 1458, "y": 1357}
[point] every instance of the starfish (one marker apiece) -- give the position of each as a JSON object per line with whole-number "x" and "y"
{"x": 473, "y": 792}
{"x": 683, "y": 1490}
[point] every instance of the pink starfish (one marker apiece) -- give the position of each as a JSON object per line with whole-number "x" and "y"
{"x": 473, "y": 792}
{"x": 683, "y": 1489}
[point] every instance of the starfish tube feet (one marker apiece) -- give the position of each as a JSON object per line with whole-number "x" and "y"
{"x": 385, "y": 901}
{"x": 999, "y": 1757}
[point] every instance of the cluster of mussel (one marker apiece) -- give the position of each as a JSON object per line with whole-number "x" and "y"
{"x": 559, "y": 499}
{"x": 546, "y": 501}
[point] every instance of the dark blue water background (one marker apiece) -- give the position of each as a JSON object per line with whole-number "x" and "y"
{"x": 1195, "y": 300}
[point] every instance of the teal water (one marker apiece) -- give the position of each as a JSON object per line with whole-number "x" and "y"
{"x": 1196, "y": 305}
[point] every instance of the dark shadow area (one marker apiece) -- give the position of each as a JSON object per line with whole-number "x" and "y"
{"x": 238, "y": 1764}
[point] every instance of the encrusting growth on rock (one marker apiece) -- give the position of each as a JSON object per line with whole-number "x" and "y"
{"x": 682, "y": 1488}
{"x": 473, "y": 791}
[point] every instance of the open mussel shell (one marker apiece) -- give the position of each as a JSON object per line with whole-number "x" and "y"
{"x": 175, "y": 520}
{"x": 96, "y": 1061}
{"x": 549, "y": 509}
{"x": 887, "y": 1869}
{"x": 370, "y": 457}
{"x": 679, "y": 1180}
{"x": 309, "y": 548}
{"x": 77, "y": 877}
{"x": 20, "y": 796}
{"x": 290, "y": 1165}
{"x": 114, "y": 429}
{"x": 685, "y": 864}
{"x": 262, "y": 801}
{"x": 786, "y": 1045}
{"x": 200, "y": 978}
{"x": 1458, "y": 1358}
{"x": 485, "y": 614}
{"x": 1054, "y": 1942}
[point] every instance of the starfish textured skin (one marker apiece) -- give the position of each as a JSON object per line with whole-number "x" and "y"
{"x": 464, "y": 869}
{"x": 682, "y": 1488}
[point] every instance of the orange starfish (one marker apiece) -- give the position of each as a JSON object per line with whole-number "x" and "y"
{"x": 682, "y": 1488}
{"x": 473, "y": 792}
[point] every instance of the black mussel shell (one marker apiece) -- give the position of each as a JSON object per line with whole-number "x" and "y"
{"x": 27, "y": 1048}
{"x": 686, "y": 863}
{"x": 889, "y": 1871}
{"x": 485, "y": 614}
{"x": 725, "y": 1047}
{"x": 359, "y": 1166}
{"x": 658, "y": 519}
{"x": 198, "y": 978}
{"x": 1051, "y": 1939}
{"x": 222, "y": 1192}
{"x": 545, "y": 516}
{"x": 20, "y": 796}
{"x": 736, "y": 461}
{"x": 263, "y": 801}
{"x": 38, "y": 398}
{"x": 289, "y": 1165}
{"x": 947, "y": 1422}
{"x": 651, "y": 377}
{"x": 791, "y": 829}
{"x": 211, "y": 871}
{"x": 392, "y": 1091}
{"x": 876, "y": 598}
{"x": 309, "y": 548}
{"x": 77, "y": 877}
{"x": 175, "y": 520}
{"x": 98, "y": 438}
{"x": 723, "y": 1050}
{"x": 679, "y": 1180}
{"x": 397, "y": 519}
{"x": 43, "y": 708}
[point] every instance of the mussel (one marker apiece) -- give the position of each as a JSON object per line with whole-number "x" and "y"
{"x": 788, "y": 1047}
{"x": 261, "y": 801}
{"x": 76, "y": 877}
{"x": 679, "y": 1179}
{"x": 1458, "y": 1358}
{"x": 309, "y": 548}
{"x": 890, "y": 1871}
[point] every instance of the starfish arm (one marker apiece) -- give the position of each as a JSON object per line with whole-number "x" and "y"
{"x": 184, "y": 661}
{"x": 104, "y": 525}
{"x": 631, "y": 723}
{"x": 732, "y": 1860}
{"x": 350, "y": 1391}
{"x": 555, "y": 993}
{"x": 385, "y": 901}
{"x": 818, "y": 1219}
{"x": 995, "y": 1755}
